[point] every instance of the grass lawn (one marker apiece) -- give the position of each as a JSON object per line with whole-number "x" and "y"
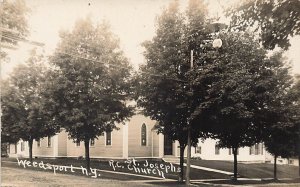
{"x": 32, "y": 178}
{"x": 258, "y": 170}
{"x": 103, "y": 164}
{"x": 253, "y": 170}
{"x": 266, "y": 183}
{"x": 245, "y": 170}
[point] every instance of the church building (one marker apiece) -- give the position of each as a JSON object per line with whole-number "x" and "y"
{"x": 137, "y": 138}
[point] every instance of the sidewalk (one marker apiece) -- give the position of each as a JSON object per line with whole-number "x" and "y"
{"x": 209, "y": 169}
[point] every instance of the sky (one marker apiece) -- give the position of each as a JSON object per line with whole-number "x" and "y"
{"x": 133, "y": 21}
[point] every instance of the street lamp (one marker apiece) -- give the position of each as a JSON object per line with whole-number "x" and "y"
{"x": 217, "y": 43}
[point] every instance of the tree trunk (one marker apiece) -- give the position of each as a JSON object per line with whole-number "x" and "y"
{"x": 87, "y": 154}
{"x": 299, "y": 163}
{"x": 188, "y": 158}
{"x": 235, "y": 171}
{"x": 8, "y": 148}
{"x": 182, "y": 146}
{"x": 30, "y": 142}
{"x": 275, "y": 167}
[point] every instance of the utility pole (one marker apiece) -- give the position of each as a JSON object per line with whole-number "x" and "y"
{"x": 217, "y": 43}
{"x": 189, "y": 142}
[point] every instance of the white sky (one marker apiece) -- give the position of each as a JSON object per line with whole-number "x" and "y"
{"x": 131, "y": 20}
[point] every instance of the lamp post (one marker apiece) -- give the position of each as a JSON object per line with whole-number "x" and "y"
{"x": 217, "y": 43}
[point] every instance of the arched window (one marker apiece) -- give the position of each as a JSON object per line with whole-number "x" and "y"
{"x": 144, "y": 135}
{"x": 22, "y": 146}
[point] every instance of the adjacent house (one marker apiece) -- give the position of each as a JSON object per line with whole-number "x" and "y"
{"x": 137, "y": 138}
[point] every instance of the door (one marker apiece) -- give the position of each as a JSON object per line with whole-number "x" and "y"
{"x": 168, "y": 145}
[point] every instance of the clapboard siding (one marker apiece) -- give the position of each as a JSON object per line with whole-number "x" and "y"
{"x": 113, "y": 150}
{"x": 155, "y": 144}
{"x": 62, "y": 143}
{"x": 100, "y": 149}
{"x": 43, "y": 150}
{"x": 135, "y": 148}
{"x": 62, "y": 146}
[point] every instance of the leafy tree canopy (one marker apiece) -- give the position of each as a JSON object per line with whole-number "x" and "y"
{"x": 240, "y": 85}
{"x": 164, "y": 91}
{"x": 276, "y": 21}
{"x": 91, "y": 82}
{"x": 24, "y": 114}
{"x": 294, "y": 95}
{"x": 12, "y": 111}
{"x": 14, "y": 24}
{"x": 22, "y": 100}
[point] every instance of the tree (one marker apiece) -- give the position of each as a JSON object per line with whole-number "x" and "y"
{"x": 162, "y": 98}
{"x": 277, "y": 114}
{"x": 281, "y": 143}
{"x": 24, "y": 116}
{"x": 295, "y": 95}
{"x": 164, "y": 91}
{"x": 91, "y": 83}
{"x": 11, "y": 113}
{"x": 239, "y": 85}
{"x": 14, "y": 24}
{"x": 276, "y": 21}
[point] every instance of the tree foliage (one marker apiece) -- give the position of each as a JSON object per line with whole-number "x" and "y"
{"x": 240, "y": 85}
{"x": 11, "y": 113}
{"x": 294, "y": 95}
{"x": 163, "y": 97}
{"x": 276, "y": 111}
{"x": 90, "y": 85}
{"x": 24, "y": 116}
{"x": 164, "y": 90}
{"x": 230, "y": 87}
{"x": 276, "y": 21}
{"x": 14, "y": 24}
